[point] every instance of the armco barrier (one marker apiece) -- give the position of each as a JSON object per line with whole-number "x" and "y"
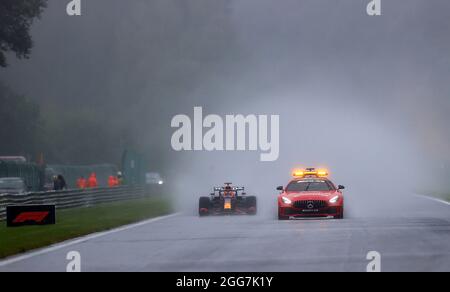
{"x": 71, "y": 198}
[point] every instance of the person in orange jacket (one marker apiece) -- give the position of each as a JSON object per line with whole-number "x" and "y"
{"x": 92, "y": 181}
{"x": 81, "y": 183}
{"x": 116, "y": 181}
{"x": 112, "y": 181}
{"x": 119, "y": 178}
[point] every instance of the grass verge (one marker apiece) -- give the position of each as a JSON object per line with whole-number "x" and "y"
{"x": 74, "y": 223}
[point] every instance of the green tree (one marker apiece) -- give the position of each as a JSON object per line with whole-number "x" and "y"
{"x": 16, "y": 17}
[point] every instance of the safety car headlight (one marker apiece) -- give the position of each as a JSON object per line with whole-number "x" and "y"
{"x": 286, "y": 200}
{"x": 334, "y": 199}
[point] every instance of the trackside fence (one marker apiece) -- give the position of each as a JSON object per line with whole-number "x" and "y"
{"x": 72, "y": 198}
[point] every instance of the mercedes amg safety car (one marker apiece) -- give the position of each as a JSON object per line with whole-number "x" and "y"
{"x": 310, "y": 194}
{"x": 228, "y": 200}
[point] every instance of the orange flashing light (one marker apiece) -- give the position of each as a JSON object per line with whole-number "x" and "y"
{"x": 310, "y": 172}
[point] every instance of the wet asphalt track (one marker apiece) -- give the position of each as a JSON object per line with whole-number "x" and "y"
{"x": 412, "y": 237}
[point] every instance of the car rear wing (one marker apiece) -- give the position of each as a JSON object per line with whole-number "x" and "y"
{"x": 221, "y": 189}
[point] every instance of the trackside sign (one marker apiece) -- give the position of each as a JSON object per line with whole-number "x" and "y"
{"x": 30, "y": 215}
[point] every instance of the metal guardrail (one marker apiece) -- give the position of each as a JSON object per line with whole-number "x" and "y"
{"x": 71, "y": 198}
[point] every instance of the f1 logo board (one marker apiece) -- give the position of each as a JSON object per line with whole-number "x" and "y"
{"x": 30, "y": 215}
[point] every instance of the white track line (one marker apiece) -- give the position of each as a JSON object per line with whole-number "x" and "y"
{"x": 433, "y": 199}
{"x": 65, "y": 244}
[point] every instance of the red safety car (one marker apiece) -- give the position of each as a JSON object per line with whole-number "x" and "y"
{"x": 310, "y": 195}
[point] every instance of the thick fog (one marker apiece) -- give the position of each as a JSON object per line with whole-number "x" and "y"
{"x": 366, "y": 97}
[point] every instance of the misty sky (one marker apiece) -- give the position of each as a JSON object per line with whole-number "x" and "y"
{"x": 371, "y": 88}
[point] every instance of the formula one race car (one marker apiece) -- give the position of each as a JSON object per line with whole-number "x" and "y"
{"x": 310, "y": 194}
{"x": 228, "y": 200}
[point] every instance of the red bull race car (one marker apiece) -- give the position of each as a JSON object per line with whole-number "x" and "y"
{"x": 228, "y": 200}
{"x": 310, "y": 195}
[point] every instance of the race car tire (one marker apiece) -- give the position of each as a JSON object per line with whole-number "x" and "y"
{"x": 282, "y": 217}
{"x": 252, "y": 205}
{"x": 204, "y": 204}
